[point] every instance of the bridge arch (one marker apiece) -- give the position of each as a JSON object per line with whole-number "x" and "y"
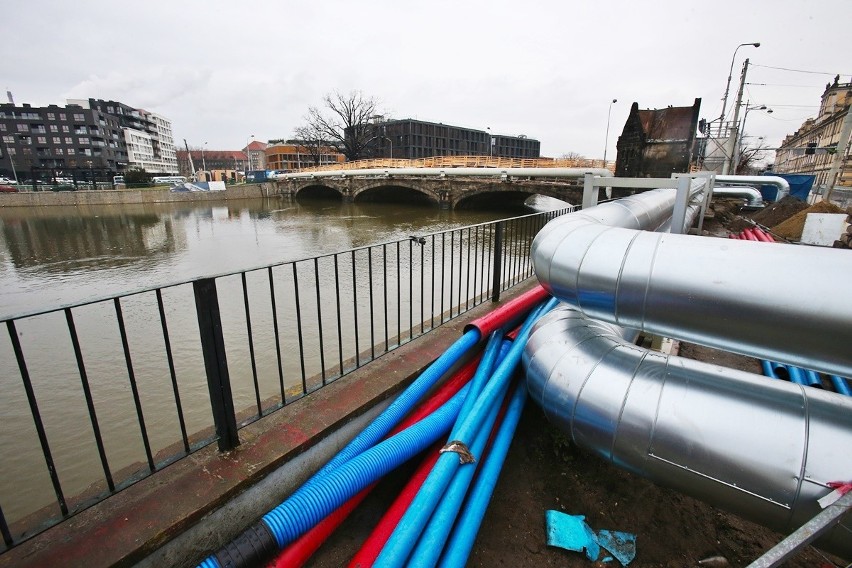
{"x": 319, "y": 191}
{"x": 491, "y": 199}
{"x": 390, "y": 191}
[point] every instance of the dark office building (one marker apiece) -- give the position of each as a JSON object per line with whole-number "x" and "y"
{"x": 70, "y": 141}
{"x": 408, "y": 138}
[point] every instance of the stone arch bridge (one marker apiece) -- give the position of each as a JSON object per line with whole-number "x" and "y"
{"x": 448, "y": 192}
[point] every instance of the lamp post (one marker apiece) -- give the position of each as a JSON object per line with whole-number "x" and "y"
{"x": 606, "y": 141}
{"x": 385, "y": 135}
{"x": 735, "y": 161}
{"x": 728, "y": 86}
{"x": 248, "y": 154}
{"x": 490, "y": 145}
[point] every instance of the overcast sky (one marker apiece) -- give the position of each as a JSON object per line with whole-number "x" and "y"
{"x": 224, "y": 71}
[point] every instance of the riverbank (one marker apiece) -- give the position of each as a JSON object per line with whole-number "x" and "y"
{"x": 132, "y": 196}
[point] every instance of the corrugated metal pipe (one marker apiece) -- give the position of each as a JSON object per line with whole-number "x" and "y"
{"x": 780, "y": 183}
{"x": 751, "y": 195}
{"x": 764, "y": 449}
{"x": 723, "y": 293}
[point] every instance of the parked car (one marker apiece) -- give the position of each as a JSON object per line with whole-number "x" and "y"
{"x": 7, "y": 181}
{"x": 8, "y": 188}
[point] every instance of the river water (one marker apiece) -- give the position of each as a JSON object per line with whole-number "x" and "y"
{"x": 54, "y": 256}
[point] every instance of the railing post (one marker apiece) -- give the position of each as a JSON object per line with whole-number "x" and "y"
{"x": 498, "y": 257}
{"x": 215, "y": 363}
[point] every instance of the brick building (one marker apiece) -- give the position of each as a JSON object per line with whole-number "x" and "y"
{"x": 657, "y": 142}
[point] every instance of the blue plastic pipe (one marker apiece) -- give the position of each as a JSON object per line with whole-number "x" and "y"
{"x": 430, "y": 544}
{"x": 768, "y": 369}
{"x": 841, "y": 385}
{"x": 493, "y": 354}
{"x": 461, "y": 541}
{"x": 403, "y": 539}
{"x": 312, "y": 503}
{"x": 403, "y": 404}
{"x": 812, "y": 378}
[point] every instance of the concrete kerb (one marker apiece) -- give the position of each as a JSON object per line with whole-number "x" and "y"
{"x": 191, "y": 508}
{"x": 132, "y": 196}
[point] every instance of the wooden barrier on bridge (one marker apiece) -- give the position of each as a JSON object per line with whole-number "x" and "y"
{"x": 463, "y": 162}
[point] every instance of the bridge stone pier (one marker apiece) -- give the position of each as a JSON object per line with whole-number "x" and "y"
{"x": 446, "y": 192}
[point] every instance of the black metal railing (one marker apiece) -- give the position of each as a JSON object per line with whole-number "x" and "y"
{"x": 114, "y": 389}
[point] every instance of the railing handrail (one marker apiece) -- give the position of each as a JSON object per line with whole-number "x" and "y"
{"x": 39, "y": 312}
{"x": 462, "y": 161}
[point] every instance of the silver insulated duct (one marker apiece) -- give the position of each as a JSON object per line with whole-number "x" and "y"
{"x": 763, "y": 449}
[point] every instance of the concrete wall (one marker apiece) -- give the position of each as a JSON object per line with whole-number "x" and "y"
{"x": 121, "y": 196}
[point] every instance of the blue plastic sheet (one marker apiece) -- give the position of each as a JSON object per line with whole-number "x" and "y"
{"x": 571, "y": 532}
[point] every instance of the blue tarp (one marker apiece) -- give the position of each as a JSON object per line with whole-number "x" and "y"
{"x": 800, "y": 186}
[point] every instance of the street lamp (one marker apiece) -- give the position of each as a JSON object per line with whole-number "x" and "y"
{"x": 735, "y": 160}
{"x": 385, "y": 135}
{"x": 728, "y": 86}
{"x": 490, "y": 145}
{"x": 606, "y": 142}
{"x": 248, "y": 153}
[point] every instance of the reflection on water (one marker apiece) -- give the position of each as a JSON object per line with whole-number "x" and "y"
{"x": 57, "y": 255}
{"x": 62, "y": 255}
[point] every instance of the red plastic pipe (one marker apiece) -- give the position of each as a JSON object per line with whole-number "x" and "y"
{"x": 302, "y": 549}
{"x": 508, "y": 313}
{"x": 763, "y": 235}
{"x": 371, "y": 548}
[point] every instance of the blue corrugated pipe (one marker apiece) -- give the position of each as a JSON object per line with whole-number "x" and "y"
{"x": 431, "y": 542}
{"x": 403, "y": 404}
{"x": 768, "y": 369}
{"x": 464, "y": 534}
{"x": 841, "y": 385}
{"x": 812, "y": 378}
{"x": 403, "y": 539}
{"x": 313, "y": 502}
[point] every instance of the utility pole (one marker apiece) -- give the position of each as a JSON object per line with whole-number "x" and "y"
{"x": 839, "y": 154}
{"x": 734, "y": 131}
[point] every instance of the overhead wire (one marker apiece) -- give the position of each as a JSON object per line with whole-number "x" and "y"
{"x": 799, "y": 70}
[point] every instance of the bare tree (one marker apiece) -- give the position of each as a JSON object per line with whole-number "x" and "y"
{"x": 751, "y": 157}
{"x": 572, "y": 156}
{"x": 310, "y": 140}
{"x": 344, "y": 122}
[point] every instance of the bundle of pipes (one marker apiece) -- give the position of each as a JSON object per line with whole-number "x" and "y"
{"x": 766, "y": 450}
{"x": 804, "y": 377}
{"x": 753, "y": 234}
{"x": 336, "y": 488}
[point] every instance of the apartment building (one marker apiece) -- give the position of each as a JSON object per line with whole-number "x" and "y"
{"x": 148, "y": 136}
{"x": 91, "y": 137}
{"x": 55, "y": 139}
{"x": 812, "y": 148}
